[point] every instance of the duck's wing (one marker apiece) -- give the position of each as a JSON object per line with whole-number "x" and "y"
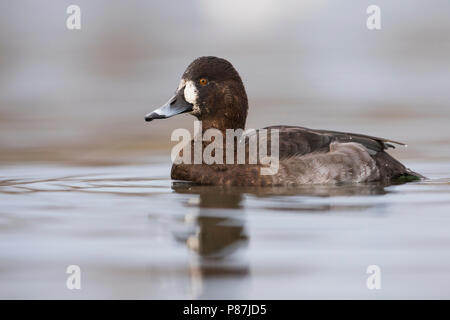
{"x": 299, "y": 141}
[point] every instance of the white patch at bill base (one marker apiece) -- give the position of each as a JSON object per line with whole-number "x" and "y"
{"x": 190, "y": 92}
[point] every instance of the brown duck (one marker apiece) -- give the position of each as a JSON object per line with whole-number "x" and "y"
{"x": 212, "y": 91}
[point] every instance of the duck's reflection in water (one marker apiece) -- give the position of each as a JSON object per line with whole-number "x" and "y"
{"x": 217, "y": 230}
{"x": 216, "y": 238}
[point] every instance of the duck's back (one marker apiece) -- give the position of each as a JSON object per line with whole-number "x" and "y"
{"x": 351, "y": 148}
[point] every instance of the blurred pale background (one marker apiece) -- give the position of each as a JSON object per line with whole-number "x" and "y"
{"x": 70, "y": 98}
{"x": 80, "y": 96}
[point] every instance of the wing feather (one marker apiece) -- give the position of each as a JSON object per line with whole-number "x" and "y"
{"x": 300, "y": 140}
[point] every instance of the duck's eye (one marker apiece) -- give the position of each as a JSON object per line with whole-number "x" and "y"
{"x": 203, "y": 81}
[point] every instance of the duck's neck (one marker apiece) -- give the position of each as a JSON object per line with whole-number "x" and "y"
{"x": 231, "y": 117}
{"x": 222, "y": 124}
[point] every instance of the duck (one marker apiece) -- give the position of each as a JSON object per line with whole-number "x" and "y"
{"x": 212, "y": 91}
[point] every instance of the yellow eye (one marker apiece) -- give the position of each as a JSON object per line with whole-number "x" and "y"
{"x": 203, "y": 82}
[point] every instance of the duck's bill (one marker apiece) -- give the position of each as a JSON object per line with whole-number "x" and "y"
{"x": 176, "y": 105}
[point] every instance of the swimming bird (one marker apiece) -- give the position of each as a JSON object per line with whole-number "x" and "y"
{"x": 212, "y": 91}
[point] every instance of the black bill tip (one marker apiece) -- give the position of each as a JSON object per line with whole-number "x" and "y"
{"x": 153, "y": 116}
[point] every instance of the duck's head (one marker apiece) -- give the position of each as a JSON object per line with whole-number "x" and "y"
{"x": 211, "y": 90}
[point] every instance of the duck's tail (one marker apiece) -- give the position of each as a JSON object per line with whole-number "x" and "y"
{"x": 408, "y": 176}
{"x": 393, "y": 170}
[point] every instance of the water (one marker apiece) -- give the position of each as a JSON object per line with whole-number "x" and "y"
{"x": 81, "y": 182}
{"x": 136, "y": 234}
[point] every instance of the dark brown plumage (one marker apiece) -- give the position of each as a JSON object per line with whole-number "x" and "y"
{"x": 306, "y": 155}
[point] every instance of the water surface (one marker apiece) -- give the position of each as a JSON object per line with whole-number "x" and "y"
{"x": 137, "y": 234}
